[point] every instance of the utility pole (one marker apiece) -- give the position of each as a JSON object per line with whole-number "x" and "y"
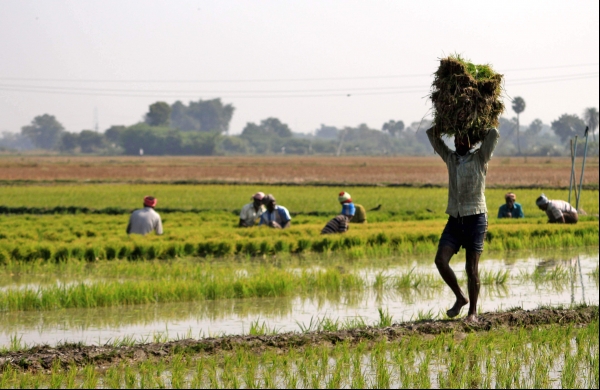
{"x": 96, "y": 125}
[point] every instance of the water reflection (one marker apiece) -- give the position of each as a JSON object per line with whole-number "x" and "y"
{"x": 571, "y": 284}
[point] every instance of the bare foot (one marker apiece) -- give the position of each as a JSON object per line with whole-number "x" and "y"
{"x": 472, "y": 318}
{"x": 455, "y": 310}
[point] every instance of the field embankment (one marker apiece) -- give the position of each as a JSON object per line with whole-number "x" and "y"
{"x": 45, "y": 357}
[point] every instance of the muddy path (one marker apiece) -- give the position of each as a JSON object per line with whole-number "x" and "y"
{"x": 43, "y": 357}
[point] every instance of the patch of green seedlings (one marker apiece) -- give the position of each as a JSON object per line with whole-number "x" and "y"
{"x": 395, "y": 229}
{"x": 126, "y": 283}
{"x": 553, "y": 356}
{"x": 397, "y": 203}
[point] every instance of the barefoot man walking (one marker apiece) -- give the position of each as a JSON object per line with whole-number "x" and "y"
{"x": 467, "y": 224}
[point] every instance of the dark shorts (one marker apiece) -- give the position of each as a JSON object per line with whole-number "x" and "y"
{"x": 467, "y": 232}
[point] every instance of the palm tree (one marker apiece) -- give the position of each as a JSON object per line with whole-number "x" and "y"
{"x": 590, "y": 115}
{"x": 518, "y": 106}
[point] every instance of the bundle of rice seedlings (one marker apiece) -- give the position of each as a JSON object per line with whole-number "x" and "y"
{"x": 466, "y": 98}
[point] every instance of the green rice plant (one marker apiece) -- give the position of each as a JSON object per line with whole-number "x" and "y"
{"x": 385, "y": 318}
{"x": 112, "y": 378}
{"x": 493, "y": 277}
{"x": 423, "y": 315}
{"x": 70, "y": 377}
{"x": 261, "y": 329}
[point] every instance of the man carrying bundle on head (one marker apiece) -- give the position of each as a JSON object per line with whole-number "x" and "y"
{"x": 558, "y": 211}
{"x": 467, "y": 108}
{"x": 340, "y": 223}
{"x": 145, "y": 220}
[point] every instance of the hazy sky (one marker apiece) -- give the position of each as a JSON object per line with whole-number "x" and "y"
{"x": 295, "y": 60}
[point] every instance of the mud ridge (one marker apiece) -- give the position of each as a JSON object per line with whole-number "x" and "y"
{"x": 43, "y": 357}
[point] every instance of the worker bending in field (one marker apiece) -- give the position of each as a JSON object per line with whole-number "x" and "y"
{"x": 252, "y": 211}
{"x": 558, "y": 211}
{"x": 511, "y": 209}
{"x": 339, "y": 224}
{"x": 467, "y": 222}
{"x": 145, "y": 220}
{"x": 275, "y": 216}
{"x": 360, "y": 214}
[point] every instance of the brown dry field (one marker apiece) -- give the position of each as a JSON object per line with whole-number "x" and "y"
{"x": 503, "y": 171}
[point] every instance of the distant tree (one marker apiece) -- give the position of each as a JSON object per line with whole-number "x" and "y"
{"x": 568, "y": 126}
{"x": 44, "y": 131}
{"x": 267, "y": 127}
{"x": 113, "y": 133}
{"x": 518, "y": 106}
{"x": 90, "y": 141}
{"x": 15, "y": 141}
{"x": 203, "y": 115}
{"x": 393, "y": 127}
{"x": 590, "y": 115}
{"x": 68, "y": 142}
{"x": 159, "y": 114}
{"x": 535, "y": 127}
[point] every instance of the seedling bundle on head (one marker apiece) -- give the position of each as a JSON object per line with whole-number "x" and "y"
{"x": 466, "y": 98}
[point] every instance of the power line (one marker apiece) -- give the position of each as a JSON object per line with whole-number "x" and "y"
{"x": 279, "y": 93}
{"x": 272, "y": 80}
{"x": 21, "y": 87}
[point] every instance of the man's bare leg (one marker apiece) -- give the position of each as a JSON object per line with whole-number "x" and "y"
{"x": 472, "y": 268}
{"x": 442, "y": 262}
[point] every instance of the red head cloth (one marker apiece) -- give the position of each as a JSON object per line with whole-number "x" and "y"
{"x": 344, "y": 197}
{"x": 150, "y": 201}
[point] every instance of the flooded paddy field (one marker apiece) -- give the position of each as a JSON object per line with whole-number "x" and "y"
{"x": 381, "y": 292}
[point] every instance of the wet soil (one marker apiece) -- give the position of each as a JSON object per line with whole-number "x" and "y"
{"x": 43, "y": 357}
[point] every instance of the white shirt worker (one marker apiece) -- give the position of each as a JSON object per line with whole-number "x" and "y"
{"x": 249, "y": 214}
{"x": 143, "y": 221}
{"x": 556, "y": 209}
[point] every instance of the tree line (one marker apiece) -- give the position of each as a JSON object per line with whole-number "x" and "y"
{"x": 201, "y": 128}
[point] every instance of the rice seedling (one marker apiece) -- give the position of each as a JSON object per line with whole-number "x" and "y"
{"x": 385, "y": 318}
{"x": 493, "y": 277}
{"x": 261, "y": 329}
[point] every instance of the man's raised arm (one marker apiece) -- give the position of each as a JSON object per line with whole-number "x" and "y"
{"x": 438, "y": 144}
{"x": 488, "y": 145}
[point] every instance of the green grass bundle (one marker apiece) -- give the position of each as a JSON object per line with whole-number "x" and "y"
{"x": 466, "y": 98}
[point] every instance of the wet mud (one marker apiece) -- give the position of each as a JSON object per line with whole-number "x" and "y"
{"x": 44, "y": 357}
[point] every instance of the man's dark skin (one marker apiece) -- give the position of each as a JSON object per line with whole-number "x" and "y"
{"x": 544, "y": 207}
{"x": 257, "y": 203}
{"x": 270, "y": 208}
{"x": 510, "y": 202}
{"x": 444, "y": 254}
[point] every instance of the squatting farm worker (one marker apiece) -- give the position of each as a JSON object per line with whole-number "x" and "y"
{"x": 558, "y": 211}
{"x": 252, "y": 211}
{"x": 276, "y": 216}
{"x": 339, "y": 224}
{"x": 467, "y": 222}
{"x": 145, "y": 220}
{"x": 511, "y": 209}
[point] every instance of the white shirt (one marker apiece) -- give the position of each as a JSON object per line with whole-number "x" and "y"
{"x": 249, "y": 215}
{"x": 556, "y": 208}
{"x": 143, "y": 221}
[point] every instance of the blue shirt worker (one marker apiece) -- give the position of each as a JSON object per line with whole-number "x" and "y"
{"x": 340, "y": 224}
{"x": 511, "y": 209}
{"x": 277, "y": 217}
